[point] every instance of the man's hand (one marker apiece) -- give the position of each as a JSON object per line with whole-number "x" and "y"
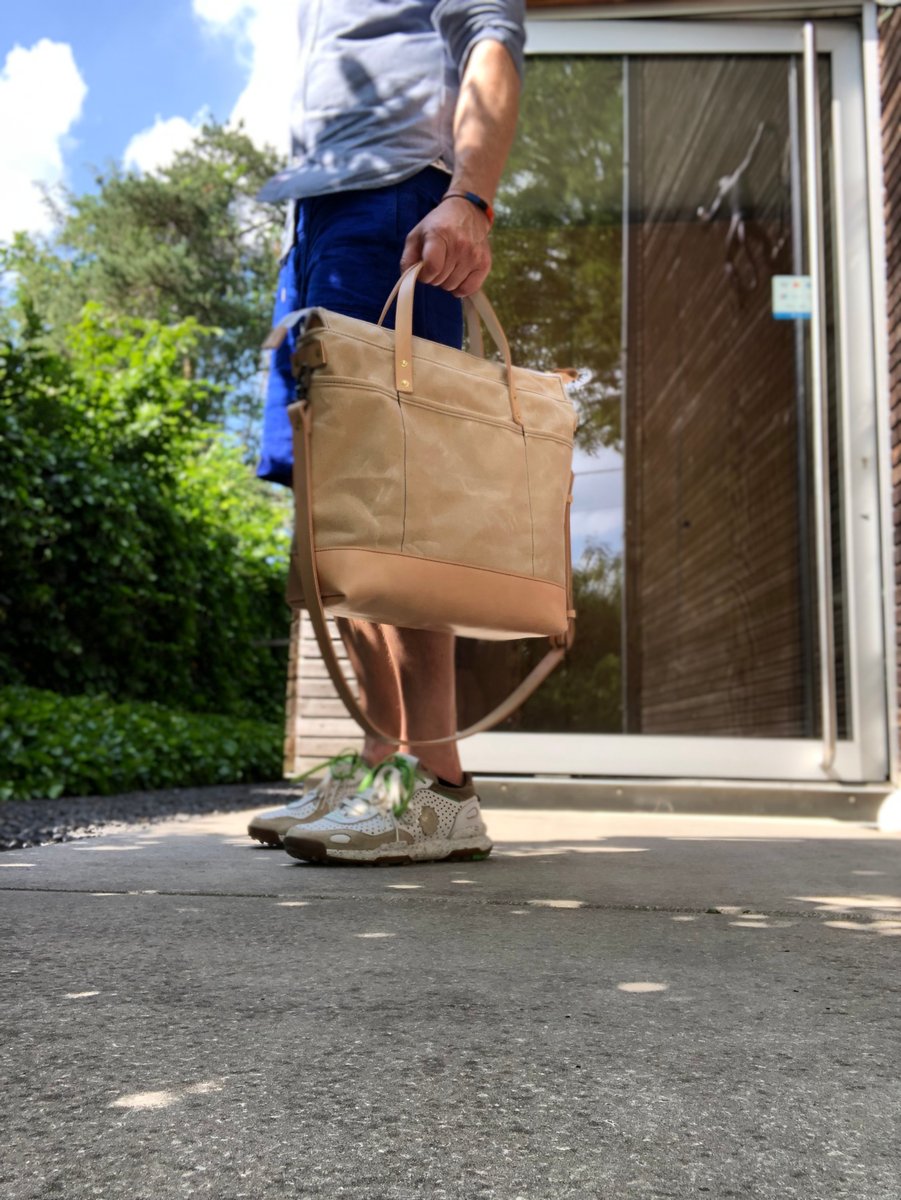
{"x": 452, "y": 242}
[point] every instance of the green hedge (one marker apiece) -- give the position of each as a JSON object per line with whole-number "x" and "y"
{"x": 53, "y": 745}
{"x": 139, "y": 558}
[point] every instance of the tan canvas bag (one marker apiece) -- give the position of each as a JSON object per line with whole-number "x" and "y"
{"x": 432, "y": 488}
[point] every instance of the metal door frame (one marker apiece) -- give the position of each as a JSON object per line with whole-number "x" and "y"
{"x": 864, "y": 755}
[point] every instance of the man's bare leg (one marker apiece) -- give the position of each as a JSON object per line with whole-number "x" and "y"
{"x": 407, "y": 682}
{"x": 374, "y": 668}
{"x": 424, "y": 663}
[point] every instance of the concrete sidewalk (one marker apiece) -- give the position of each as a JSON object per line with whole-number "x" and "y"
{"x": 612, "y": 1006}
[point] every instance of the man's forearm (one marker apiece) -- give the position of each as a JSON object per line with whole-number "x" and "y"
{"x": 452, "y": 240}
{"x": 485, "y": 119}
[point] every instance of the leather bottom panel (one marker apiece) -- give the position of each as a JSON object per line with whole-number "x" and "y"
{"x": 420, "y": 593}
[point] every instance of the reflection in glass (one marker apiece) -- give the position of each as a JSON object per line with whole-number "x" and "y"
{"x": 648, "y": 203}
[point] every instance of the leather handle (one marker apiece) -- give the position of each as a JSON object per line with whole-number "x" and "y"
{"x": 478, "y": 303}
{"x": 473, "y": 329}
{"x": 302, "y": 420}
{"x": 473, "y": 321}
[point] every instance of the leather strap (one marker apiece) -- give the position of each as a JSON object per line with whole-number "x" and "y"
{"x": 473, "y": 330}
{"x": 302, "y": 419}
{"x": 477, "y": 303}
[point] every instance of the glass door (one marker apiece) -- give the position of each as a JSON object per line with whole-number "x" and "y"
{"x": 683, "y": 223}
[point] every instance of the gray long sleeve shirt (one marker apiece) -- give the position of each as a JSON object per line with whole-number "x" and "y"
{"x": 377, "y": 85}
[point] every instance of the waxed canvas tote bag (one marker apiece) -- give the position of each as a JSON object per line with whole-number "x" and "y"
{"x": 432, "y": 486}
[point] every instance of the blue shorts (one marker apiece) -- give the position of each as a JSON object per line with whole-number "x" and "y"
{"x": 346, "y": 257}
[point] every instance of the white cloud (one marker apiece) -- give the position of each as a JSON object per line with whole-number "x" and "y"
{"x": 221, "y": 12}
{"x": 264, "y": 33}
{"x": 156, "y": 147}
{"x": 41, "y": 98}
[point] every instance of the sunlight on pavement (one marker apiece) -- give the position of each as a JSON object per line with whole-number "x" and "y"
{"x": 12, "y": 866}
{"x": 868, "y": 872}
{"x": 685, "y": 918}
{"x": 535, "y": 851}
{"x": 291, "y": 903}
{"x": 106, "y": 849}
{"x": 557, "y": 903}
{"x": 375, "y": 935}
{"x": 166, "y": 1099}
{"x": 642, "y": 987}
{"x": 883, "y": 928}
{"x": 843, "y": 903}
{"x": 146, "y": 1100}
{"x": 405, "y": 887}
{"x": 80, "y": 995}
{"x": 752, "y": 921}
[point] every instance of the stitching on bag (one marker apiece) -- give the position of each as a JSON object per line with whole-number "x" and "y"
{"x": 442, "y": 561}
{"x": 403, "y": 426}
{"x": 445, "y": 409}
{"x": 346, "y": 383}
{"x": 525, "y": 372}
{"x": 525, "y": 454}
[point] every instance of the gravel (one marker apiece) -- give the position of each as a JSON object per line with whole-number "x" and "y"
{"x": 26, "y": 823}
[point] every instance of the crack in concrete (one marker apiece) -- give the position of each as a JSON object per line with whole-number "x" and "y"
{"x": 469, "y": 899}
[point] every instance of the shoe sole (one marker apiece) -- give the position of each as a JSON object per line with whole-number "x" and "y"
{"x": 266, "y": 837}
{"x": 311, "y": 850}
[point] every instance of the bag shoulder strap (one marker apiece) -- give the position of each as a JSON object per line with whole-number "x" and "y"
{"x": 306, "y": 561}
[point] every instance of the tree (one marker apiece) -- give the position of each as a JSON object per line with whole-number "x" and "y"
{"x": 186, "y": 243}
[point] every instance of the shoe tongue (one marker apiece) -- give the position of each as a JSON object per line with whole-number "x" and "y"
{"x": 392, "y": 782}
{"x": 419, "y": 771}
{"x": 359, "y": 804}
{"x": 409, "y": 758}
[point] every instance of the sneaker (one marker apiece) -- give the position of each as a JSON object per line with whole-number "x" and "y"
{"x": 401, "y": 814}
{"x": 343, "y": 776}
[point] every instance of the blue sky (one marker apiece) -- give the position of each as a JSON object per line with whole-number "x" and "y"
{"x": 138, "y": 61}
{"x": 83, "y": 84}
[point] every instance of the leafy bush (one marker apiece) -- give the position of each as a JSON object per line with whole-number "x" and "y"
{"x": 139, "y": 557}
{"x": 54, "y": 745}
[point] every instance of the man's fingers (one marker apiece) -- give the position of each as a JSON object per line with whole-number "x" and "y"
{"x": 471, "y": 283}
{"x": 436, "y": 266}
{"x": 455, "y": 277}
{"x": 412, "y": 249}
{"x": 452, "y": 258}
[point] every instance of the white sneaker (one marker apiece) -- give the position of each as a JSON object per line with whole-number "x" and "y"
{"x": 401, "y": 814}
{"x": 343, "y": 776}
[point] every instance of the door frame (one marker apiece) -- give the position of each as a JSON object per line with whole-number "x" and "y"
{"x": 864, "y": 755}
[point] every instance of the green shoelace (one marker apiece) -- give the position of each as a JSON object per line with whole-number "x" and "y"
{"x": 394, "y": 781}
{"x": 342, "y": 766}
